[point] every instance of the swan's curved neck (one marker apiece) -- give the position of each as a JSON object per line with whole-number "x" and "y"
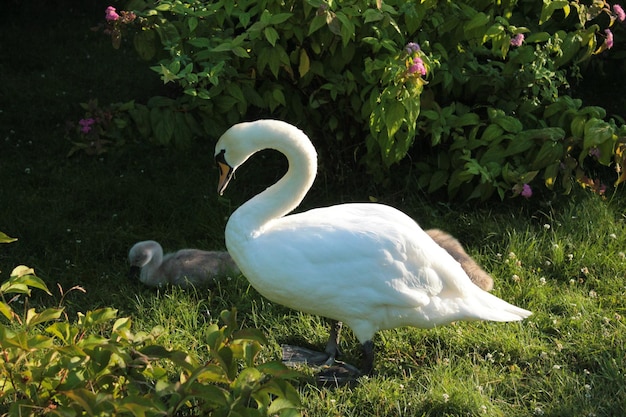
{"x": 286, "y": 194}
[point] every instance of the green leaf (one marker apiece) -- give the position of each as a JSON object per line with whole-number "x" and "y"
{"x": 192, "y": 23}
{"x": 271, "y": 35}
{"x": 22, "y": 270}
{"x": 492, "y": 133}
{"x": 468, "y": 119}
{"x": 6, "y": 239}
{"x": 279, "y": 18}
{"x": 477, "y": 21}
{"x": 549, "y": 153}
{"x": 318, "y": 22}
{"x": 596, "y": 132}
{"x": 240, "y": 52}
{"x": 162, "y": 124}
{"x": 393, "y": 115}
{"x": 438, "y": 180}
{"x": 509, "y": 123}
{"x": 537, "y": 37}
{"x": 549, "y": 7}
{"x": 33, "y": 318}
{"x": 6, "y": 310}
{"x": 22, "y": 280}
{"x": 200, "y": 42}
{"x": 96, "y": 317}
{"x": 347, "y": 28}
{"x": 305, "y": 63}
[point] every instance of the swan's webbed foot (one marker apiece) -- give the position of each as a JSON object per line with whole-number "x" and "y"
{"x": 330, "y": 370}
{"x": 295, "y": 355}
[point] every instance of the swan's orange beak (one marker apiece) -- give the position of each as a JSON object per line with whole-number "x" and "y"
{"x": 226, "y": 173}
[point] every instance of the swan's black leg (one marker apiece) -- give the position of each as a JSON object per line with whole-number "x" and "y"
{"x": 332, "y": 346}
{"x": 368, "y": 358}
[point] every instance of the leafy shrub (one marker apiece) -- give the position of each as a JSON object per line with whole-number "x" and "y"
{"x": 494, "y": 118}
{"x": 99, "y": 366}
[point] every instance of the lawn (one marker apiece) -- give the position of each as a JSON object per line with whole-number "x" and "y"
{"x": 562, "y": 257}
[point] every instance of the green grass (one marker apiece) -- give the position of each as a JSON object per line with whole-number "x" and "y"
{"x": 76, "y": 219}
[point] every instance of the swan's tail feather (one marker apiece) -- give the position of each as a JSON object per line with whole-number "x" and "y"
{"x": 493, "y": 308}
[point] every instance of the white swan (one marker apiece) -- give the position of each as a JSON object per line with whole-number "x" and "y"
{"x": 367, "y": 265}
{"x": 184, "y": 268}
{"x": 456, "y": 250}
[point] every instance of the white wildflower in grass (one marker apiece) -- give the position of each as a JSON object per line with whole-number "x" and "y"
{"x": 621, "y": 255}
{"x": 512, "y": 255}
{"x": 547, "y": 263}
{"x": 538, "y": 411}
{"x": 556, "y": 367}
{"x": 570, "y": 256}
{"x": 446, "y": 398}
{"x": 593, "y": 294}
{"x": 542, "y": 281}
{"x": 572, "y": 281}
{"x": 546, "y": 226}
{"x": 483, "y": 409}
{"x": 515, "y": 278}
{"x": 543, "y": 355}
{"x": 613, "y": 236}
{"x": 489, "y": 357}
{"x": 584, "y": 270}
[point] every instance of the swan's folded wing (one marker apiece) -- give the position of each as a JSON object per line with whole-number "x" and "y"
{"x": 332, "y": 248}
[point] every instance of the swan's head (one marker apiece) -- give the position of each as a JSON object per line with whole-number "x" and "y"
{"x": 239, "y": 142}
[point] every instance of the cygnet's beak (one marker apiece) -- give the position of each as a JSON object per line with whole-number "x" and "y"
{"x": 134, "y": 272}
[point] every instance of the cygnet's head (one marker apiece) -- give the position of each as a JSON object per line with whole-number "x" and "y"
{"x": 141, "y": 254}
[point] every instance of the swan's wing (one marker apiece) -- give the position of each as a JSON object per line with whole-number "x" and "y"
{"x": 362, "y": 251}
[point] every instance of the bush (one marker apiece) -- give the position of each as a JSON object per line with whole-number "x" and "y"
{"x": 98, "y": 366}
{"x": 493, "y": 114}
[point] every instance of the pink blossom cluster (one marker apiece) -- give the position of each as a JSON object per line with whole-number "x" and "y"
{"x": 619, "y": 12}
{"x": 85, "y": 124}
{"x": 524, "y": 190}
{"x": 111, "y": 15}
{"x": 517, "y": 40}
{"x": 415, "y": 63}
{"x": 609, "y": 38}
{"x": 620, "y": 15}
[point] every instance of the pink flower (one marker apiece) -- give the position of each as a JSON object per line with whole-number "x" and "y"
{"x": 526, "y": 191}
{"x": 85, "y": 124}
{"x": 417, "y": 66}
{"x": 110, "y": 14}
{"x": 609, "y": 38}
{"x": 517, "y": 40}
{"x": 621, "y": 15}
